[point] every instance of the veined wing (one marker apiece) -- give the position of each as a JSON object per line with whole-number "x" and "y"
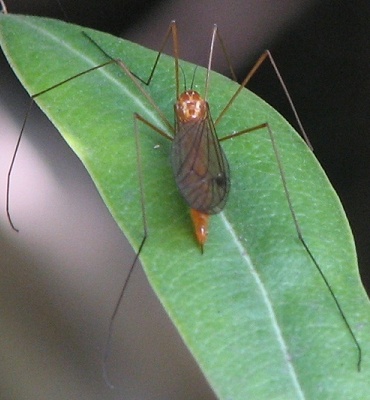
{"x": 200, "y": 166}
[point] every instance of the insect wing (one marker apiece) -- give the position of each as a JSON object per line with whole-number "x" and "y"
{"x": 200, "y": 166}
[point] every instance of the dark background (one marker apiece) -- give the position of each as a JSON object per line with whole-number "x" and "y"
{"x": 322, "y": 50}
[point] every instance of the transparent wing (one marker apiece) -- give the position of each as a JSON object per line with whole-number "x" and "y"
{"x": 200, "y": 167}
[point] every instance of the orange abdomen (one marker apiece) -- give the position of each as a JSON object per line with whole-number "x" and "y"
{"x": 200, "y": 221}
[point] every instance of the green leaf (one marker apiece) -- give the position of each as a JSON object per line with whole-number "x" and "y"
{"x": 252, "y": 309}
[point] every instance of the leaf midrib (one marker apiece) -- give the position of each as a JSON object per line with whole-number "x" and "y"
{"x": 261, "y": 287}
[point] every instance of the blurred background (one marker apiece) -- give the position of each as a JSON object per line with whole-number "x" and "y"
{"x": 62, "y": 273}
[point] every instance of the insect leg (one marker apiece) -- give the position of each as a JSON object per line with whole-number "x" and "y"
{"x": 299, "y": 230}
{"x": 267, "y": 55}
{"x": 32, "y": 101}
{"x": 107, "y": 346}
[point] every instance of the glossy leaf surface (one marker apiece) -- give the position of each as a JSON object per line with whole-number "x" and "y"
{"x": 253, "y": 309}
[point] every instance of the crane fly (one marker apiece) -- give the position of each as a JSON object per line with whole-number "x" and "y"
{"x": 199, "y": 164}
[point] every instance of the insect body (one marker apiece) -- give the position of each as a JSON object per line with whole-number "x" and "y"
{"x": 198, "y": 161}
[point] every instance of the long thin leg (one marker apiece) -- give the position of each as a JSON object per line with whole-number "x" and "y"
{"x": 135, "y": 80}
{"x": 172, "y": 30}
{"x": 107, "y": 346}
{"x": 267, "y": 55}
{"x": 301, "y": 238}
{"x": 33, "y": 97}
{"x": 3, "y": 7}
{"x": 298, "y": 228}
